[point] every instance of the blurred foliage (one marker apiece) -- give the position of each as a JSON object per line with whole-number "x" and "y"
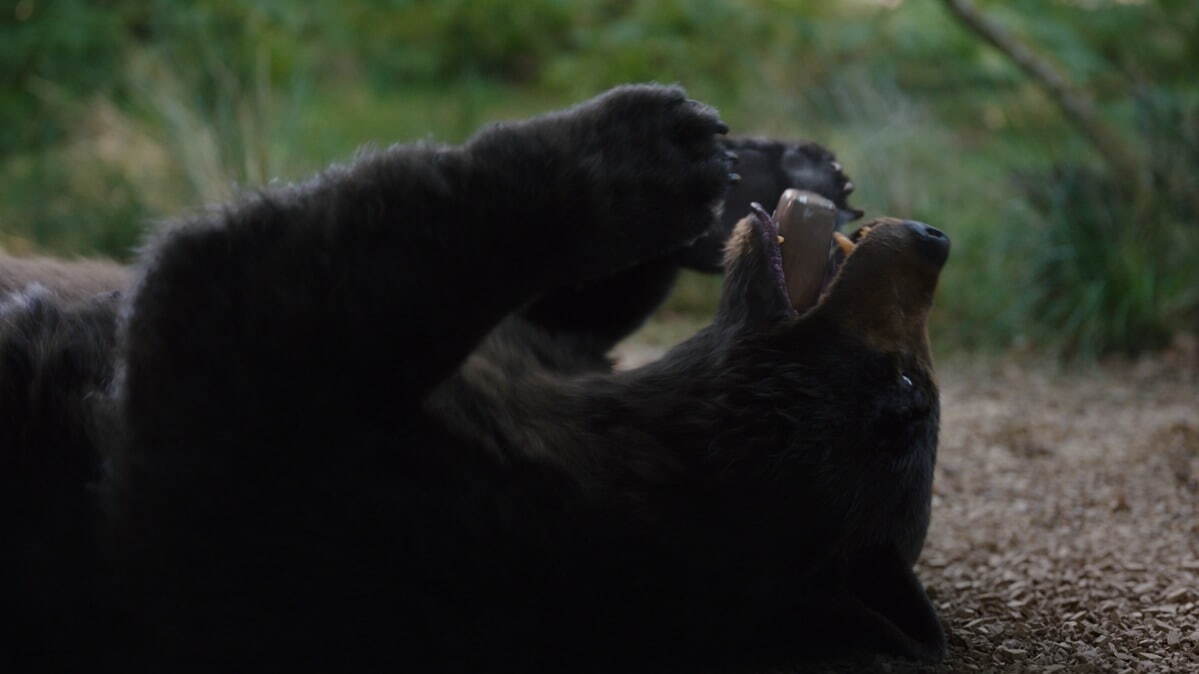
{"x": 114, "y": 113}
{"x": 1115, "y": 274}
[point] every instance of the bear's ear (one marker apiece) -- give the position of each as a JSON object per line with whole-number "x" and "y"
{"x": 887, "y": 603}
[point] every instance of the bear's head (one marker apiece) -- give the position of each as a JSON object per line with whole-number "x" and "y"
{"x": 828, "y": 409}
{"x": 832, "y": 331}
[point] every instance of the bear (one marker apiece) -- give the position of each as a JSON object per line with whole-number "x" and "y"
{"x": 343, "y": 426}
{"x": 58, "y": 330}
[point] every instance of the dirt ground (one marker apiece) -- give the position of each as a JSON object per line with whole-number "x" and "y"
{"x": 1065, "y": 530}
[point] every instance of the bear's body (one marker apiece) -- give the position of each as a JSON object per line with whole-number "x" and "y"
{"x": 346, "y": 426}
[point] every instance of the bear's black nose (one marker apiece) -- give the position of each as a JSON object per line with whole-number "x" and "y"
{"x": 932, "y": 241}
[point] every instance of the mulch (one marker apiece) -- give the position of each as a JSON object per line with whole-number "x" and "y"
{"x": 1065, "y": 531}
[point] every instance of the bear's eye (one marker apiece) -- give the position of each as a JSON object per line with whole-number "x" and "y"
{"x": 905, "y": 380}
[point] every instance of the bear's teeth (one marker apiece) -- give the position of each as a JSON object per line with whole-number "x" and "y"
{"x": 844, "y": 243}
{"x": 781, "y": 240}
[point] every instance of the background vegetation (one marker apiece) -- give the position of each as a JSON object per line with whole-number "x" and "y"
{"x": 116, "y": 112}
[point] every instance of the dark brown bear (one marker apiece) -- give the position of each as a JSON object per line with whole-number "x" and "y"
{"x": 340, "y": 433}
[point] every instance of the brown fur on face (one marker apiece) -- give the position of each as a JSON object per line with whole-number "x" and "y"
{"x": 884, "y": 290}
{"x": 881, "y": 292}
{"x": 70, "y": 280}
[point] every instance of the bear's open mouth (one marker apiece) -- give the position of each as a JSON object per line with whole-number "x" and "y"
{"x": 803, "y": 246}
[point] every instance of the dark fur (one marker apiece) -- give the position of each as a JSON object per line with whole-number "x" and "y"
{"x": 345, "y": 428}
{"x": 54, "y": 356}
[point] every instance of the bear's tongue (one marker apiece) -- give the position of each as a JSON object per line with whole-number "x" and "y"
{"x": 806, "y": 223}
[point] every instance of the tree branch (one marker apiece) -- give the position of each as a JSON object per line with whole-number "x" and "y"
{"x": 1121, "y": 157}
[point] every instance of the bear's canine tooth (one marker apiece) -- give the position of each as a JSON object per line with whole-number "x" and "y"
{"x": 844, "y": 243}
{"x": 781, "y": 240}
